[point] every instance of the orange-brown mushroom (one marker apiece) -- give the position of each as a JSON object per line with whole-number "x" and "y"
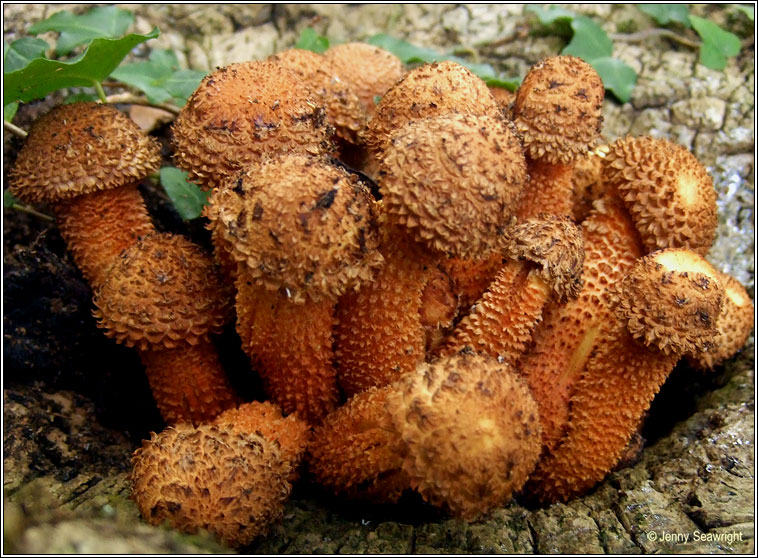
{"x": 240, "y": 113}
{"x": 665, "y": 307}
{"x": 558, "y": 113}
{"x": 165, "y": 298}
{"x": 209, "y": 477}
{"x": 87, "y": 159}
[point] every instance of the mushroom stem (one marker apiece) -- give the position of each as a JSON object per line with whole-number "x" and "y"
{"x": 291, "y": 347}
{"x": 188, "y": 382}
{"x": 96, "y": 247}
{"x": 549, "y": 190}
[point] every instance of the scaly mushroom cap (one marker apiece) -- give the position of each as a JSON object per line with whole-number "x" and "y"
{"x": 343, "y": 107}
{"x": 241, "y": 112}
{"x": 266, "y": 419}
{"x": 504, "y": 99}
{"x": 667, "y": 190}
{"x": 233, "y": 485}
{"x": 369, "y": 69}
{"x": 471, "y": 430}
{"x": 558, "y": 109}
{"x": 555, "y": 244}
{"x": 453, "y": 181}
{"x": 735, "y": 322}
{"x": 356, "y": 452}
{"x": 300, "y": 224}
{"x": 587, "y": 181}
{"x": 79, "y": 149}
{"x": 164, "y": 291}
{"x": 671, "y": 299}
{"x": 429, "y": 90}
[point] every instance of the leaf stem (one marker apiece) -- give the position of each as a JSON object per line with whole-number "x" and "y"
{"x": 14, "y": 129}
{"x": 131, "y": 99}
{"x": 100, "y": 91}
{"x": 653, "y": 32}
{"x": 31, "y": 211}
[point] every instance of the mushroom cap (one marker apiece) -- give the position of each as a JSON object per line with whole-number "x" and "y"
{"x": 558, "y": 109}
{"x": 343, "y": 107}
{"x": 78, "y": 149}
{"x": 233, "y": 485}
{"x": 453, "y": 181}
{"x": 471, "y": 431}
{"x": 300, "y": 224}
{"x": 266, "y": 419}
{"x": 356, "y": 452}
{"x": 164, "y": 291}
{"x": 555, "y": 244}
{"x": 735, "y": 322}
{"x": 671, "y": 300}
{"x": 429, "y": 90}
{"x": 587, "y": 181}
{"x": 667, "y": 191}
{"x": 371, "y": 70}
{"x": 241, "y": 112}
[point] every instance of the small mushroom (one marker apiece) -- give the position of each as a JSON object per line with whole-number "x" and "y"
{"x": 240, "y": 113}
{"x": 558, "y": 113}
{"x": 209, "y": 477}
{"x": 87, "y": 159}
{"x": 665, "y": 307}
{"x": 165, "y": 298}
{"x": 545, "y": 258}
{"x": 371, "y": 70}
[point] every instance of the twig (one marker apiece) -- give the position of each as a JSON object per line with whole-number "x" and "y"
{"x": 14, "y": 129}
{"x": 131, "y": 99}
{"x": 31, "y": 211}
{"x": 654, "y": 32}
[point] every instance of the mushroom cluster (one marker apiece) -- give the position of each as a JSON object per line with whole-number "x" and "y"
{"x": 442, "y": 292}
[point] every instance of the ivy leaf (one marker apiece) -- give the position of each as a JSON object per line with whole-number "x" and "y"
{"x": 618, "y": 77}
{"x": 42, "y": 76}
{"x": 559, "y": 18}
{"x": 409, "y": 53}
{"x": 749, "y": 11}
{"x": 22, "y": 51}
{"x": 8, "y": 199}
{"x": 160, "y": 77}
{"x": 310, "y": 40}
{"x": 9, "y": 111}
{"x": 589, "y": 41}
{"x": 99, "y": 22}
{"x": 665, "y": 13}
{"x": 717, "y": 43}
{"x": 188, "y": 198}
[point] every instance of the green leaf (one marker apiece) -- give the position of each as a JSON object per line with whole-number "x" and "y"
{"x": 22, "y": 51}
{"x": 749, "y": 11}
{"x": 310, "y": 40}
{"x": 160, "y": 77}
{"x": 589, "y": 41}
{"x": 665, "y": 13}
{"x": 42, "y": 76}
{"x": 99, "y": 22}
{"x": 618, "y": 77}
{"x": 511, "y": 84}
{"x": 409, "y": 53}
{"x": 188, "y": 198}
{"x": 551, "y": 14}
{"x": 8, "y": 199}
{"x": 79, "y": 98}
{"x": 9, "y": 111}
{"x": 718, "y": 44}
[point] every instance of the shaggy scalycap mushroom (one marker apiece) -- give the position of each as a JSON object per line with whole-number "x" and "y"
{"x": 558, "y": 109}
{"x": 429, "y": 90}
{"x": 233, "y": 485}
{"x": 87, "y": 159}
{"x": 371, "y": 70}
{"x": 241, "y": 112}
{"x": 453, "y": 182}
{"x": 668, "y": 192}
{"x": 344, "y": 109}
{"x": 300, "y": 225}
{"x": 471, "y": 432}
